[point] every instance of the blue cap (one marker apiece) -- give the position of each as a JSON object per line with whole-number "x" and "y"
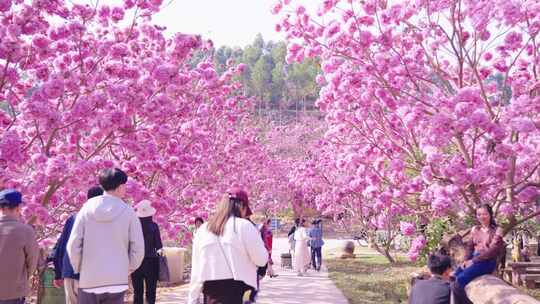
{"x": 10, "y": 198}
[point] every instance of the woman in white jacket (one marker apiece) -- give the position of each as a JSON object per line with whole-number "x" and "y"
{"x": 226, "y": 252}
{"x": 301, "y": 252}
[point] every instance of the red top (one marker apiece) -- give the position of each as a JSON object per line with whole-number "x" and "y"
{"x": 267, "y": 238}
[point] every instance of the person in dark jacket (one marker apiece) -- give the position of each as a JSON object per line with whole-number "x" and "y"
{"x": 435, "y": 290}
{"x": 63, "y": 271}
{"x": 148, "y": 272}
{"x": 290, "y": 235}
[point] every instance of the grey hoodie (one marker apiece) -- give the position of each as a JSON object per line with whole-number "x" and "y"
{"x": 106, "y": 243}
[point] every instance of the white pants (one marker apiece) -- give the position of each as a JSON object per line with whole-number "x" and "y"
{"x": 71, "y": 287}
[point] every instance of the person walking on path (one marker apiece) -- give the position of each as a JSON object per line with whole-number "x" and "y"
{"x": 267, "y": 236}
{"x": 226, "y": 252}
{"x": 63, "y": 272}
{"x": 148, "y": 272}
{"x": 301, "y": 253}
{"x": 19, "y": 250}
{"x": 315, "y": 243}
{"x": 290, "y": 235}
{"x": 106, "y": 243}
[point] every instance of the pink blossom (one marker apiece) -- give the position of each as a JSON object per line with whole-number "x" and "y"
{"x": 407, "y": 229}
{"x": 507, "y": 209}
{"x": 40, "y": 42}
{"x": 529, "y": 194}
{"x": 277, "y": 7}
{"x": 54, "y": 88}
{"x": 440, "y": 205}
{"x": 5, "y": 5}
{"x": 513, "y": 40}
{"x": 117, "y": 14}
{"x": 119, "y": 50}
{"x": 164, "y": 73}
{"x": 523, "y": 124}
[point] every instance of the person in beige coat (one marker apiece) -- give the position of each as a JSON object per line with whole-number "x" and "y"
{"x": 19, "y": 250}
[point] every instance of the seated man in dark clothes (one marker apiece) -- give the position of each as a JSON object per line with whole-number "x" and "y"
{"x": 435, "y": 290}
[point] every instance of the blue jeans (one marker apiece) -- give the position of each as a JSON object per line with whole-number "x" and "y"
{"x": 14, "y": 301}
{"x": 465, "y": 276}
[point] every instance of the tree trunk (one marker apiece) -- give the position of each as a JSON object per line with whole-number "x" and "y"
{"x": 384, "y": 251}
{"x": 499, "y": 291}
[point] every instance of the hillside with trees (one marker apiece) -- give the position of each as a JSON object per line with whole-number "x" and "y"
{"x": 280, "y": 90}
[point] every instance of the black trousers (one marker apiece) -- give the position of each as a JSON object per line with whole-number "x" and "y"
{"x": 224, "y": 292}
{"x": 147, "y": 274}
{"x": 316, "y": 257}
{"x": 102, "y": 298}
{"x": 13, "y": 301}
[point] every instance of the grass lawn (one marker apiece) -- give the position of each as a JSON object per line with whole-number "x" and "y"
{"x": 371, "y": 279}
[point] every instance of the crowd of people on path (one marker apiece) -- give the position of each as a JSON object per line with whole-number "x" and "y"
{"x": 99, "y": 248}
{"x": 446, "y": 283}
{"x": 306, "y": 245}
{"x": 108, "y": 241}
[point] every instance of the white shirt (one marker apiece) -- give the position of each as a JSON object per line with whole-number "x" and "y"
{"x": 108, "y": 289}
{"x": 300, "y": 234}
{"x": 241, "y": 251}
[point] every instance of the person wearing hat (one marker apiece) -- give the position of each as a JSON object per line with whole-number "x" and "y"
{"x": 226, "y": 252}
{"x": 19, "y": 250}
{"x": 148, "y": 272}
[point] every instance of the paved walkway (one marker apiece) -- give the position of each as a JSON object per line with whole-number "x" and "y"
{"x": 286, "y": 288}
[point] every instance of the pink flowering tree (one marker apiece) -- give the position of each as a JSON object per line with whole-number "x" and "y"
{"x": 87, "y": 87}
{"x": 436, "y": 102}
{"x": 329, "y": 181}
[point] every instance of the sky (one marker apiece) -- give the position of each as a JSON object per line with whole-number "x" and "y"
{"x": 225, "y": 22}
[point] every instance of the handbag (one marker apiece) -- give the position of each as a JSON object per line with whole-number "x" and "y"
{"x": 164, "y": 274}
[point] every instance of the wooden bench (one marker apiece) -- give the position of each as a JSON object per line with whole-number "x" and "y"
{"x": 524, "y": 273}
{"x": 530, "y": 279}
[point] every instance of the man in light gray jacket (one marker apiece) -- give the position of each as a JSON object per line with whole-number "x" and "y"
{"x": 106, "y": 243}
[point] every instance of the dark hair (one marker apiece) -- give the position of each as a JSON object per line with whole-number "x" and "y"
{"x": 229, "y": 206}
{"x": 492, "y": 221}
{"x": 9, "y": 207}
{"x": 111, "y": 179}
{"x": 199, "y": 219}
{"x": 297, "y": 221}
{"x": 94, "y": 191}
{"x": 438, "y": 263}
